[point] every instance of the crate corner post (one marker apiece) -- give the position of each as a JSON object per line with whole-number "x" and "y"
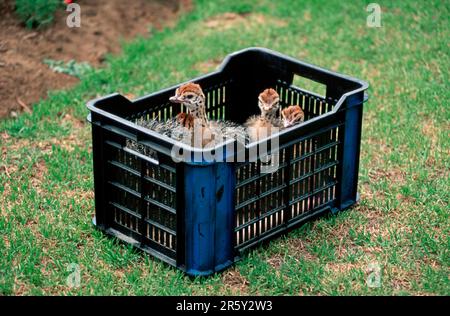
{"x": 209, "y": 211}
{"x": 351, "y": 139}
{"x": 100, "y": 219}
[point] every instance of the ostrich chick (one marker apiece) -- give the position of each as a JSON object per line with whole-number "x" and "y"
{"x": 191, "y": 96}
{"x": 263, "y": 125}
{"x": 292, "y": 115}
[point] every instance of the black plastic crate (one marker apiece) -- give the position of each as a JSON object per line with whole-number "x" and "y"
{"x": 199, "y": 216}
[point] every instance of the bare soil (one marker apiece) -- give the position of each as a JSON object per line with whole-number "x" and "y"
{"x": 25, "y": 79}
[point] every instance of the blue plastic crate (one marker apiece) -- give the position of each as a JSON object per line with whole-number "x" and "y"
{"x": 199, "y": 216}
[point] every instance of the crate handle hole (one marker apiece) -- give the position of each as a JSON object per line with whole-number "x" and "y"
{"x": 309, "y": 85}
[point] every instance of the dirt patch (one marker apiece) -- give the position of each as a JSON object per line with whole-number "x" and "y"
{"x": 433, "y": 133}
{"x": 230, "y": 20}
{"x": 379, "y": 148}
{"x": 25, "y": 79}
{"x": 235, "y": 282}
{"x": 400, "y": 279}
{"x": 74, "y": 140}
{"x": 393, "y": 175}
{"x": 297, "y": 247}
{"x": 276, "y": 261}
{"x": 343, "y": 268}
{"x": 80, "y": 195}
{"x": 40, "y": 171}
{"x": 224, "y": 21}
{"x": 430, "y": 130}
{"x": 307, "y": 16}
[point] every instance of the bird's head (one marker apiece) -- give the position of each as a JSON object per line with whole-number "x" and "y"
{"x": 190, "y": 95}
{"x": 269, "y": 102}
{"x": 292, "y": 115}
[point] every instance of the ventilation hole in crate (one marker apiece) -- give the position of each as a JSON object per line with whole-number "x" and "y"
{"x": 309, "y": 85}
{"x": 224, "y": 115}
{"x": 312, "y": 105}
{"x": 218, "y": 97}
{"x": 208, "y": 100}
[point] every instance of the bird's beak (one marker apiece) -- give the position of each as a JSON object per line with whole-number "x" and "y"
{"x": 175, "y": 99}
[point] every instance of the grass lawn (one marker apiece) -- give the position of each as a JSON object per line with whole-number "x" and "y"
{"x": 401, "y": 224}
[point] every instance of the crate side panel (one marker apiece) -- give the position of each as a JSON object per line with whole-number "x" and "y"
{"x": 142, "y": 196}
{"x": 305, "y": 181}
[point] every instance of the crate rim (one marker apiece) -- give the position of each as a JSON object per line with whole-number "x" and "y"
{"x": 92, "y": 104}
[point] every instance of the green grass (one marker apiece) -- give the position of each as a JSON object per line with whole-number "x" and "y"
{"x": 401, "y": 223}
{"x": 37, "y": 13}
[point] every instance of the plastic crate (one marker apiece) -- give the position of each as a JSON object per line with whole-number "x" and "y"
{"x": 199, "y": 216}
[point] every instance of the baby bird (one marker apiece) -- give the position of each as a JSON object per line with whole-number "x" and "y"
{"x": 191, "y": 95}
{"x": 185, "y": 120}
{"x": 193, "y": 128}
{"x": 292, "y": 115}
{"x": 263, "y": 125}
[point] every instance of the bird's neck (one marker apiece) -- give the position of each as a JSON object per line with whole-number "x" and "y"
{"x": 268, "y": 115}
{"x": 199, "y": 113}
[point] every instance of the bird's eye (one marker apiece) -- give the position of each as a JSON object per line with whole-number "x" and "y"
{"x": 190, "y": 96}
